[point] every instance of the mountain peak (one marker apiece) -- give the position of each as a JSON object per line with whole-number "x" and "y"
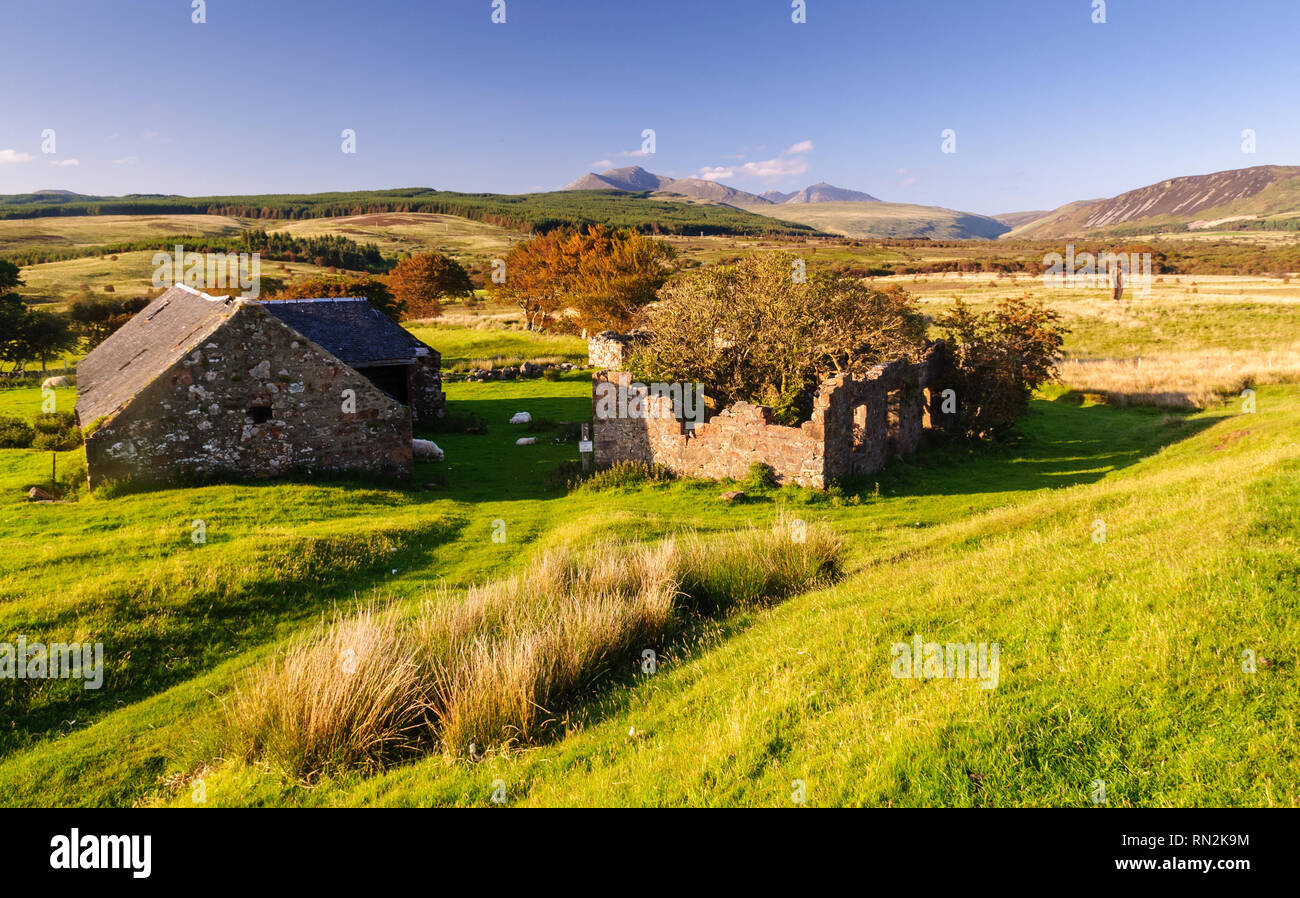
{"x": 821, "y": 192}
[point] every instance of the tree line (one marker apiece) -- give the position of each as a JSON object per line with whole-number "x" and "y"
{"x": 533, "y": 212}
{"x": 325, "y": 251}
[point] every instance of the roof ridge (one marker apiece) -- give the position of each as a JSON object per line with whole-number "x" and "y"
{"x": 188, "y": 289}
{"x": 321, "y": 299}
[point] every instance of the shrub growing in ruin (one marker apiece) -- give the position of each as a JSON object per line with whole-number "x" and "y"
{"x": 1001, "y": 357}
{"x": 767, "y": 331}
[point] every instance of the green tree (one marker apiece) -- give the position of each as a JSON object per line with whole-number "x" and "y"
{"x": 1001, "y": 357}
{"x": 47, "y": 336}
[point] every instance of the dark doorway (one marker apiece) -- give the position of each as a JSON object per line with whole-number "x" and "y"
{"x": 391, "y": 379}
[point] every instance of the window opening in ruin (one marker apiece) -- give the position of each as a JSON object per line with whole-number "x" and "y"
{"x": 260, "y": 414}
{"x": 894, "y": 405}
{"x": 859, "y": 428}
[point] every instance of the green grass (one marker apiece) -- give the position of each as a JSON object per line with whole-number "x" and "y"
{"x": 868, "y": 219}
{"x": 1119, "y": 660}
{"x": 461, "y": 344}
{"x": 18, "y": 235}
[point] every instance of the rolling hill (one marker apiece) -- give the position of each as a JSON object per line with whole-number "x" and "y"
{"x": 1263, "y": 196}
{"x": 880, "y": 219}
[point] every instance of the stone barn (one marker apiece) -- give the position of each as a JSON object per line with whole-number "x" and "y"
{"x": 857, "y": 425}
{"x": 370, "y": 342}
{"x": 195, "y": 386}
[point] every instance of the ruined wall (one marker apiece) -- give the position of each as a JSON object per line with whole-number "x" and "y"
{"x": 855, "y": 428}
{"x": 609, "y": 350}
{"x": 424, "y": 388}
{"x": 194, "y": 419}
{"x": 725, "y": 446}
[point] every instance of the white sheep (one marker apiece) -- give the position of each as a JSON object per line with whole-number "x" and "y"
{"x": 426, "y": 449}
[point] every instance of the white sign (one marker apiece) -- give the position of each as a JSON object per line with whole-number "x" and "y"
{"x": 584, "y": 445}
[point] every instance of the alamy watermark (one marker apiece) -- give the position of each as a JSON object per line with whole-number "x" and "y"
{"x": 636, "y": 400}
{"x": 951, "y": 660}
{"x": 57, "y": 661}
{"x": 1112, "y": 270}
{"x": 209, "y": 271}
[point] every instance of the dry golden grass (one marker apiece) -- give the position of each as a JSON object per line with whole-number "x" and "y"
{"x": 348, "y": 694}
{"x": 496, "y": 667}
{"x": 1180, "y": 379}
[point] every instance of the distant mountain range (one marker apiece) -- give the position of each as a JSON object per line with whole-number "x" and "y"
{"x": 1265, "y": 197}
{"x": 636, "y": 178}
{"x": 826, "y": 207}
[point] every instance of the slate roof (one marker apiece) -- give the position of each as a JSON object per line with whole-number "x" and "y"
{"x": 350, "y": 328}
{"x": 159, "y": 336}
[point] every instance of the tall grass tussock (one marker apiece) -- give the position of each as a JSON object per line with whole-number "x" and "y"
{"x": 498, "y": 665}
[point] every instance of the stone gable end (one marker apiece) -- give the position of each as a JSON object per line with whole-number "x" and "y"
{"x": 252, "y": 399}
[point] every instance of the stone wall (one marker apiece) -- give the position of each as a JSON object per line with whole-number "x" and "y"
{"x": 609, "y": 350}
{"x": 424, "y": 388}
{"x": 197, "y": 419}
{"x": 856, "y": 426}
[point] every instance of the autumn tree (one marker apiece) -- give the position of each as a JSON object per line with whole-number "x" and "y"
{"x": 1001, "y": 357}
{"x": 422, "y": 281}
{"x": 766, "y": 330}
{"x": 584, "y": 281}
{"x": 371, "y": 288}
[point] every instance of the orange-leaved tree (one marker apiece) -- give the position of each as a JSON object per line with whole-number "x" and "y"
{"x": 584, "y": 281}
{"x": 422, "y": 281}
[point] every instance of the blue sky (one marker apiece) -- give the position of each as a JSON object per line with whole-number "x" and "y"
{"x": 1047, "y": 106}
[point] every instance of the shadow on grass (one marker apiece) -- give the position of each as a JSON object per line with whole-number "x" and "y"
{"x": 163, "y": 632}
{"x": 1055, "y": 444}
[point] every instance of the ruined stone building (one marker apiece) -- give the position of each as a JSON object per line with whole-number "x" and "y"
{"x": 856, "y": 426}
{"x": 195, "y": 386}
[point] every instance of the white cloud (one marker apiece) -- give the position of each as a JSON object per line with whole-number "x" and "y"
{"x": 602, "y": 163}
{"x": 62, "y": 162}
{"x": 634, "y": 153}
{"x": 775, "y": 168}
{"x": 789, "y": 163}
{"x": 7, "y": 156}
{"x": 715, "y": 173}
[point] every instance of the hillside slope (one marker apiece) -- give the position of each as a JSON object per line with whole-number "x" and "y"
{"x": 878, "y": 219}
{"x": 1178, "y": 205}
{"x": 1119, "y": 660}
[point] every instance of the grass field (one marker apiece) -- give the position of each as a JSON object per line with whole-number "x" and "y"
{"x": 98, "y": 230}
{"x": 54, "y": 284}
{"x": 867, "y": 219}
{"x": 1120, "y": 660}
{"x": 415, "y": 232}
{"x": 1187, "y": 342}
